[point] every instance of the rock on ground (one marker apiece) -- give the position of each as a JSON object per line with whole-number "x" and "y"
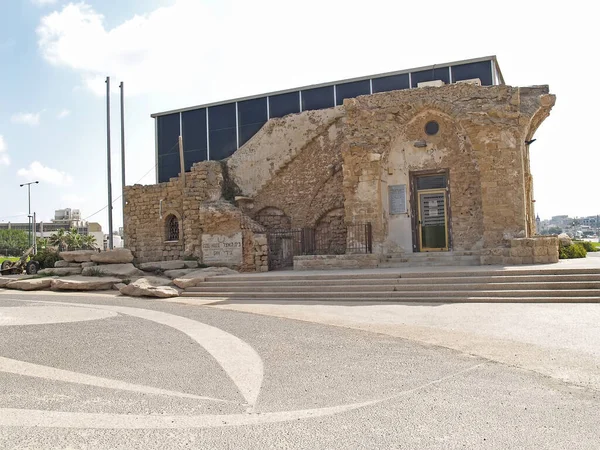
{"x": 197, "y": 277}
{"x": 143, "y": 288}
{"x": 115, "y": 256}
{"x": 77, "y": 255}
{"x": 155, "y": 281}
{"x": 118, "y": 270}
{"x": 30, "y": 284}
{"x": 62, "y": 271}
{"x": 61, "y": 264}
{"x": 191, "y": 264}
{"x": 162, "y": 265}
{"x": 564, "y": 240}
{"x": 88, "y": 264}
{"x": 4, "y": 281}
{"x": 178, "y": 272}
{"x": 81, "y": 283}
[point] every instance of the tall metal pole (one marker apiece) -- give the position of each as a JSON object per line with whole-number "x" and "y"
{"x": 122, "y": 86}
{"x": 34, "y": 236}
{"x": 29, "y": 207}
{"x": 110, "y": 224}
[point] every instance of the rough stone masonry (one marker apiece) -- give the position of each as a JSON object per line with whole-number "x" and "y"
{"x": 332, "y": 168}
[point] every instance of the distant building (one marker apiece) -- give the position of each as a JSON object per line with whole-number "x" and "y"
{"x": 64, "y": 219}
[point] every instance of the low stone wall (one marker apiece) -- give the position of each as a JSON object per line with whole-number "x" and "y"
{"x": 255, "y": 252}
{"x": 333, "y": 262}
{"x": 533, "y": 250}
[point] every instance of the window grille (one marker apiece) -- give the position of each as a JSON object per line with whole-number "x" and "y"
{"x": 172, "y": 228}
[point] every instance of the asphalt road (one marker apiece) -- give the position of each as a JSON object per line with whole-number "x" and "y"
{"x": 104, "y": 372}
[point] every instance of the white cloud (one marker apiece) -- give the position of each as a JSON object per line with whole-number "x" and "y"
{"x": 64, "y": 113}
{"x": 43, "y": 2}
{"x": 4, "y": 158}
{"x": 31, "y": 119}
{"x": 37, "y": 171}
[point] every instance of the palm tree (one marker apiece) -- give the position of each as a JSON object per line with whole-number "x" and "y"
{"x": 59, "y": 239}
{"x": 74, "y": 241}
{"x": 88, "y": 242}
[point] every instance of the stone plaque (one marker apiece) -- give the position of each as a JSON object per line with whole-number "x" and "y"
{"x": 397, "y": 195}
{"x": 221, "y": 249}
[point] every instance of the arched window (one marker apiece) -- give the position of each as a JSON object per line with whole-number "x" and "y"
{"x": 172, "y": 228}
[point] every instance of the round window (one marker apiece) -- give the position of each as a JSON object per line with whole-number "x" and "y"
{"x": 432, "y": 127}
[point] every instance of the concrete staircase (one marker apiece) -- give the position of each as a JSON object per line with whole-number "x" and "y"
{"x": 483, "y": 285}
{"x": 427, "y": 259}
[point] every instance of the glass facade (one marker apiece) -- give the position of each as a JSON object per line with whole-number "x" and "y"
{"x": 230, "y": 125}
{"x": 351, "y": 90}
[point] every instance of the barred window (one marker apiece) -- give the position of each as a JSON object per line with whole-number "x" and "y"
{"x": 172, "y": 228}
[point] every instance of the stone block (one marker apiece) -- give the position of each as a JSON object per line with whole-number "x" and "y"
{"x": 77, "y": 255}
{"x": 82, "y": 283}
{"x": 115, "y": 256}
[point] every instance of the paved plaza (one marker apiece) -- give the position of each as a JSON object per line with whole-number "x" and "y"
{"x": 101, "y": 371}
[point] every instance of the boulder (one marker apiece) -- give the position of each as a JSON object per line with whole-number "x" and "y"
{"x": 191, "y": 264}
{"x": 62, "y": 271}
{"x": 88, "y": 264}
{"x": 77, "y": 255}
{"x": 81, "y": 283}
{"x": 4, "y": 281}
{"x": 115, "y": 256}
{"x": 118, "y": 286}
{"x": 198, "y": 277}
{"x": 564, "y": 240}
{"x": 117, "y": 270}
{"x": 61, "y": 264}
{"x": 178, "y": 272}
{"x": 155, "y": 281}
{"x": 30, "y": 284}
{"x": 143, "y": 288}
{"x": 162, "y": 265}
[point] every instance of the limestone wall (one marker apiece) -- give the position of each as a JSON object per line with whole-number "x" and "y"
{"x": 481, "y": 143}
{"x": 307, "y": 186}
{"x": 275, "y": 145}
{"x": 534, "y": 250}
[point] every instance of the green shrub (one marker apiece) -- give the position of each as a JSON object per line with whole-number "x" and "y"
{"x": 572, "y": 251}
{"x": 46, "y": 257}
{"x": 589, "y": 246}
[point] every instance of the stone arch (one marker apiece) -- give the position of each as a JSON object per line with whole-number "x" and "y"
{"x": 273, "y": 218}
{"x": 330, "y": 232}
{"x": 172, "y": 226}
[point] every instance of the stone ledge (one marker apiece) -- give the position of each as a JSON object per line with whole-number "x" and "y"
{"x": 332, "y": 262}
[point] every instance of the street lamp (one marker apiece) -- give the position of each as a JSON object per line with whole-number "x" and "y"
{"x": 29, "y": 203}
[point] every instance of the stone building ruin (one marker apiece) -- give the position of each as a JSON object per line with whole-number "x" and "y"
{"x": 440, "y": 167}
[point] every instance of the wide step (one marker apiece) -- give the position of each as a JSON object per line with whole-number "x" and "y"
{"x": 504, "y": 285}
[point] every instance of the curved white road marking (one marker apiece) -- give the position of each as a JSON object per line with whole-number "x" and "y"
{"x": 50, "y": 373}
{"x": 237, "y": 358}
{"x": 46, "y": 314}
{"x": 10, "y": 417}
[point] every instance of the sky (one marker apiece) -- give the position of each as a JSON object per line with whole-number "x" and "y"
{"x": 55, "y": 56}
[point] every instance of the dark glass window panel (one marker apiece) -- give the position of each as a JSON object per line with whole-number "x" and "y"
{"x": 252, "y": 115}
{"x": 223, "y": 143}
{"x": 430, "y": 75}
{"x": 317, "y": 98}
{"x": 284, "y": 104}
{"x": 351, "y": 90}
{"x": 222, "y": 132}
{"x": 168, "y": 133}
{"x": 193, "y": 124}
{"x": 168, "y": 167}
{"x": 481, "y": 70}
{"x": 431, "y": 182}
{"x": 390, "y": 83}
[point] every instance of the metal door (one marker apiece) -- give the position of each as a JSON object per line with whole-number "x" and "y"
{"x": 433, "y": 220}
